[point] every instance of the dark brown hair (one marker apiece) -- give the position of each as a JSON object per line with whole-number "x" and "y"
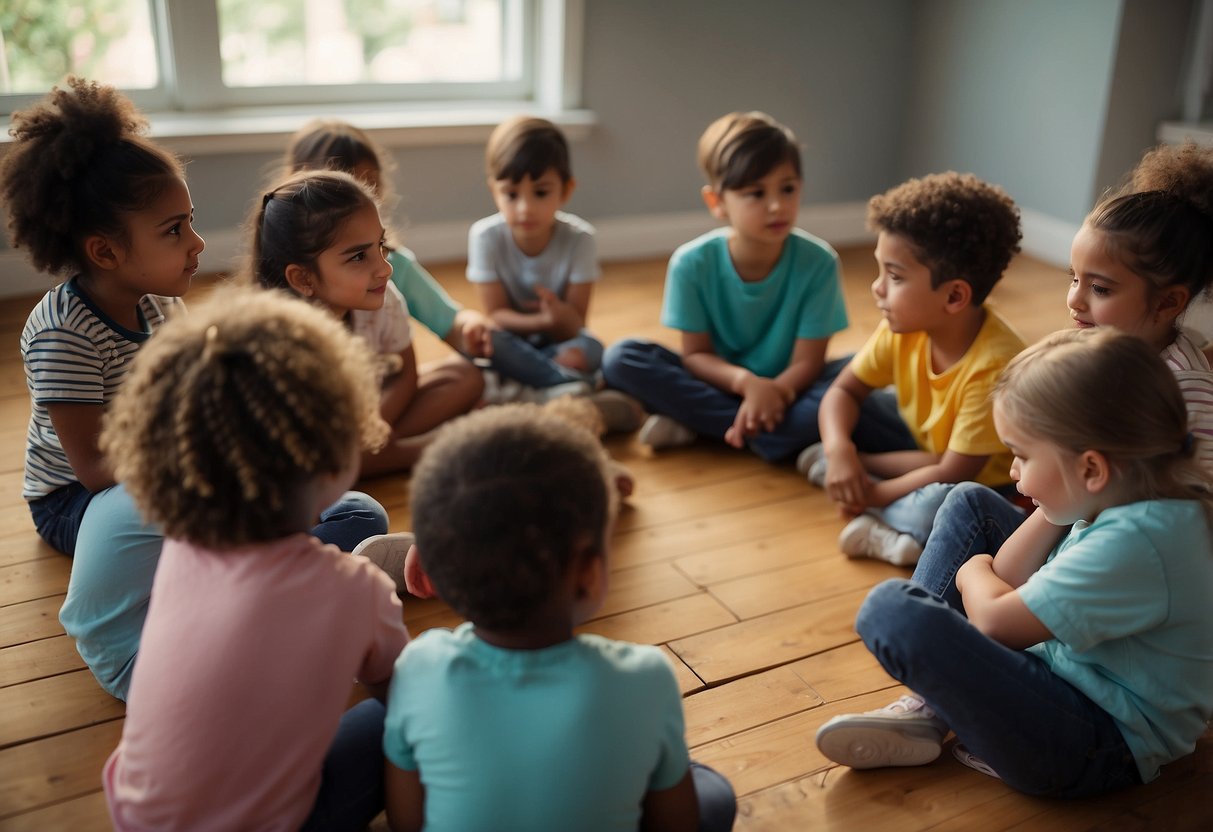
{"x": 526, "y": 146}
{"x": 739, "y": 149}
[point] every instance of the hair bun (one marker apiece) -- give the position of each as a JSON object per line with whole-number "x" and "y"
{"x": 1184, "y": 171}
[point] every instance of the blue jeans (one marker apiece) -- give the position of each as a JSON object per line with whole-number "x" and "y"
{"x": 58, "y": 515}
{"x": 115, "y": 564}
{"x": 532, "y": 363}
{"x": 716, "y": 799}
{"x": 1042, "y": 735}
{"x": 657, "y": 377}
{"x": 351, "y": 780}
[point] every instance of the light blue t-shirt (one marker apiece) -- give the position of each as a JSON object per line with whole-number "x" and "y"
{"x": 755, "y": 325}
{"x": 567, "y": 737}
{"x": 428, "y": 301}
{"x": 1129, "y": 600}
{"x": 571, "y": 256}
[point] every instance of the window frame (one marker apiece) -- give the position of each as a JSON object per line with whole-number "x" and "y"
{"x": 187, "y": 49}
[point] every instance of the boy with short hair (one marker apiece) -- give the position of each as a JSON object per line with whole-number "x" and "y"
{"x": 535, "y": 265}
{"x": 944, "y": 242}
{"x": 756, "y": 301}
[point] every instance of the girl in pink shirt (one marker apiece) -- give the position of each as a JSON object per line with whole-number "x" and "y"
{"x": 237, "y": 425}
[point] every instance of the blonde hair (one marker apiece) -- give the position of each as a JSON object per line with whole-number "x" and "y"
{"x": 1108, "y": 391}
{"x": 230, "y": 409}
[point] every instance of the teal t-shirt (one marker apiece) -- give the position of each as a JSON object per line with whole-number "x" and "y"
{"x": 567, "y": 737}
{"x": 427, "y": 301}
{"x": 1129, "y": 600}
{"x": 755, "y": 325}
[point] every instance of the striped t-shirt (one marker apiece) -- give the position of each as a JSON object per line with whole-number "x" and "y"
{"x": 1191, "y": 370}
{"x": 74, "y": 353}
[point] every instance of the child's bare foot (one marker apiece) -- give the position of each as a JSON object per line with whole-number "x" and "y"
{"x": 573, "y": 358}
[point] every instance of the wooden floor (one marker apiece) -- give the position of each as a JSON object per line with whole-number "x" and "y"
{"x": 730, "y": 564}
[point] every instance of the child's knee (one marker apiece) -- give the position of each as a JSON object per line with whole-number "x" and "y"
{"x": 892, "y": 608}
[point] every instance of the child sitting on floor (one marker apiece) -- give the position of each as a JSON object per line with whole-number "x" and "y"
{"x": 236, "y": 425}
{"x": 1066, "y": 668}
{"x": 512, "y": 721}
{"x": 756, "y": 303}
{"x": 944, "y": 242}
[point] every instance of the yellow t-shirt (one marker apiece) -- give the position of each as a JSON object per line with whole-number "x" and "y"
{"x": 951, "y": 410}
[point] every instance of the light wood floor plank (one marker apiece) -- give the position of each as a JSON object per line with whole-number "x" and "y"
{"x": 87, "y": 813}
{"x": 45, "y": 707}
{"x": 39, "y": 659}
{"x": 665, "y": 622}
{"x": 30, "y": 620}
{"x": 26, "y": 779}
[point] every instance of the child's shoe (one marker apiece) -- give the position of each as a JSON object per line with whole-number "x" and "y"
{"x": 812, "y": 463}
{"x": 547, "y": 394}
{"x": 967, "y": 758}
{"x": 905, "y": 733}
{"x": 867, "y": 537}
{"x": 663, "y": 432}
{"x": 620, "y": 412}
{"x": 387, "y": 551}
{"x": 498, "y": 389}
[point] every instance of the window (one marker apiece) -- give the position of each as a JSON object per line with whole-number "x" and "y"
{"x": 197, "y": 56}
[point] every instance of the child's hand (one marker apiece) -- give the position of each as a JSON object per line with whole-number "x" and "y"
{"x": 847, "y": 483}
{"x": 563, "y": 319}
{"x": 476, "y": 331}
{"x": 763, "y": 405}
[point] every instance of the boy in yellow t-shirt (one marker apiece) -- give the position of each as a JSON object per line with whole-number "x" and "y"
{"x": 944, "y": 241}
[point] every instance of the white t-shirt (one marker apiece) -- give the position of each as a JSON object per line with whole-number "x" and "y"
{"x": 570, "y": 257}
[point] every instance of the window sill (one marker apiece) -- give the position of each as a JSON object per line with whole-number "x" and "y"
{"x": 266, "y": 129}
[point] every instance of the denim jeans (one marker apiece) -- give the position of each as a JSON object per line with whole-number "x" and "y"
{"x": 716, "y": 799}
{"x": 58, "y": 515}
{"x": 1041, "y": 734}
{"x": 115, "y": 564}
{"x": 351, "y": 780}
{"x": 532, "y": 363}
{"x": 657, "y": 377}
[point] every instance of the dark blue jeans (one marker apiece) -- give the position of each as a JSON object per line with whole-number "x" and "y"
{"x": 1042, "y": 735}
{"x": 533, "y": 362}
{"x": 351, "y": 780}
{"x": 657, "y": 377}
{"x": 57, "y": 516}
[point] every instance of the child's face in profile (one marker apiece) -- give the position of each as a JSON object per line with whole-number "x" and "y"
{"x": 160, "y": 253}
{"x": 1051, "y": 476}
{"x": 763, "y": 211}
{"x": 902, "y": 287}
{"x": 353, "y": 272}
{"x": 529, "y": 207}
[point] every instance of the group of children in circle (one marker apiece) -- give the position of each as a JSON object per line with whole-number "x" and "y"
{"x": 197, "y": 478}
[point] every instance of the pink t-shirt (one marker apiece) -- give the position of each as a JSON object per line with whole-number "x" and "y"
{"x": 243, "y": 673}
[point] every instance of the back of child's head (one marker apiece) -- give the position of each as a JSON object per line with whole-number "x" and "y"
{"x": 1105, "y": 390}
{"x": 1160, "y": 224}
{"x": 79, "y": 162}
{"x": 503, "y": 502}
{"x": 958, "y": 226}
{"x": 740, "y": 148}
{"x": 297, "y": 219}
{"x": 231, "y": 409}
{"x": 525, "y": 146}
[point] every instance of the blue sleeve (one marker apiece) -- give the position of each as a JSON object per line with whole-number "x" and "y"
{"x": 427, "y": 301}
{"x": 396, "y": 745}
{"x": 682, "y": 306}
{"x": 826, "y": 311}
{"x": 675, "y": 758}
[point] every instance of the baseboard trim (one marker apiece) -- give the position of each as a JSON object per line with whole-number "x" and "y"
{"x": 619, "y": 238}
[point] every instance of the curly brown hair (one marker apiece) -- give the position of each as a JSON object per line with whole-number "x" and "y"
{"x": 230, "y": 409}
{"x": 738, "y": 149}
{"x": 78, "y": 162}
{"x": 958, "y": 226}
{"x": 527, "y": 146}
{"x": 1160, "y": 223}
{"x": 502, "y": 502}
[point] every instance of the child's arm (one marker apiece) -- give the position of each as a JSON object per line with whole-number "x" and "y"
{"x": 496, "y": 303}
{"x": 758, "y": 411}
{"x": 847, "y": 482}
{"x": 78, "y": 426}
{"x": 673, "y": 809}
{"x": 951, "y": 467}
{"x": 764, "y": 400}
{"x": 399, "y": 389}
{"x": 471, "y": 333}
{"x": 1026, "y": 549}
{"x": 566, "y": 317}
{"x": 995, "y": 608}
{"x": 404, "y": 798}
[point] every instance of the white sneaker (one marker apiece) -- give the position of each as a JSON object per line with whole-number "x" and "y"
{"x": 905, "y": 733}
{"x": 620, "y": 412}
{"x": 812, "y": 463}
{"x": 967, "y": 758}
{"x": 387, "y": 551}
{"x": 867, "y": 537}
{"x": 498, "y": 389}
{"x": 663, "y": 432}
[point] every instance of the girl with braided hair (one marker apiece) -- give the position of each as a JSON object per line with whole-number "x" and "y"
{"x": 104, "y": 210}
{"x": 237, "y": 715}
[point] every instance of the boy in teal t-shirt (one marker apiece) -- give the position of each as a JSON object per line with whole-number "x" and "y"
{"x": 756, "y": 303}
